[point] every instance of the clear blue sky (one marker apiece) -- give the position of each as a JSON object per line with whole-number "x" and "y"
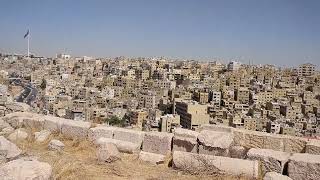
{"x": 283, "y": 32}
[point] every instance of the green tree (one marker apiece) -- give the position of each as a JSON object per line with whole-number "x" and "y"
{"x": 115, "y": 121}
{"x": 43, "y": 84}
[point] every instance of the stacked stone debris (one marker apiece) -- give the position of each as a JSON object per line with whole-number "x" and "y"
{"x": 210, "y": 149}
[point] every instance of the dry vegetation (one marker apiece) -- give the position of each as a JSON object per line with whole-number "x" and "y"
{"x": 78, "y": 161}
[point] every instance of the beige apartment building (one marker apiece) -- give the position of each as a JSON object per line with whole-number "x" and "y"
{"x": 137, "y": 117}
{"x": 235, "y": 120}
{"x": 234, "y": 82}
{"x": 306, "y": 69}
{"x": 192, "y": 114}
{"x": 242, "y": 95}
{"x": 147, "y": 100}
{"x": 202, "y": 97}
{"x": 288, "y": 112}
{"x": 129, "y": 73}
{"x": 142, "y": 74}
{"x": 261, "y": 124}
{"x": 215, "y": 98}
{"x": 249, "y": 123}
{"x": 273, "y": 127}
{"x": 169, "y": 122}
{"x": 274, "y": 107}
{"x": 265, "y": 96}
{"x": 287, "y": 130}
{"x": 278, "y": 93}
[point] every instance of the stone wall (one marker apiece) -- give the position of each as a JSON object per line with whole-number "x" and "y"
{"x": 213, "y": 143}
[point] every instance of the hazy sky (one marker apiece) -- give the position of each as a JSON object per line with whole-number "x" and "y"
{"x": 283, "y": 32}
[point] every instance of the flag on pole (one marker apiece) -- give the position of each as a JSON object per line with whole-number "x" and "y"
{"x": 27, "y": 34}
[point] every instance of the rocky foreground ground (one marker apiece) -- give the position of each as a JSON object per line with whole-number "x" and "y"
{"x": 29, "y": 154}
{"x": 41, "y": 147}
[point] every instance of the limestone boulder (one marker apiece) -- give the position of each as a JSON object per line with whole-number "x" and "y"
{"x": 208, "y": 164}
{"x": 18, "y": 135}
{"x": 238, "y": 152}
{"x": 75, "y": 129}
{"x": 157, "y": 142}
{"x": 253, "y": 139}
{"x": 8, "y": 149}
{"x": 128, "y": 135}
{"x": 16, "y": 119}
{"x": 3, "y": 124}
{"x": 55, "y": 145}
{"x": 6, "y": 131}
{"x": 273, "y": 141}
{"x": 303, "y": 166}
{"x": 100, "y": 131}
{"x": 25, "y": 170}
{"x": 108, "y": 153}
{"x": 151, "y": 158}
{"x": 275, "y": 176}
{"x": 185, "y": 140}
{"x": 313, "y": 147}
{"x": 53, "y": 124}
{"x": 272, "y": 161}
{"x": 294, "y": 144}
{"x": 42, "y": 136}
{"x": 34, "y": 122}
{"x": 217, "y": 128}
{"x": 215, "y": 143}
{"x": 123, "y": 146}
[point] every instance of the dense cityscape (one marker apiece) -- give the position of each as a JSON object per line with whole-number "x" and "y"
{"x": 211, "y": 119}
{"x": 159, "y": 94}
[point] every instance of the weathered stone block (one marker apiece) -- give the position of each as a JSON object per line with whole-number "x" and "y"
{"x": 238, "y": 152}
{"x": 294, "y": 144}
{"x": 128, "y": 135}
{"x": 16, "y": 119}
{"x": 252, "y": 139}
{"x": 215, "y": 143}
{"x": 16, "y": 122}
{"x": 35, "y": 122}
{"x": 272, "y": 161}
{"x": 157, "y": 142}
{"x": 313, "y": 147}
{"x": 100, "y": 131}
{"x": 75, "y": 129}
{"x": 238, "y": 138}
{"x": 22, "y": 170}
{"x": 201, "y": 163}
{"x": 6, "y": 131}
{"x": 123, "y": 146}
{"x": 41, "y": 136}
{"x": 55, "y": 145}
{"x": 275, "y": 176}
{"x": 218, "y": 128}
{"x": 185, "y": 140}
{"x": 151, "y": 157}
{"x": 10, "y": 150}
{"x": 303, "y": 166}
{"x": 18, "y": 135}
{"x": 273, "y": 141}
{"x": 108, "y": 153}
{"x": 3, "y": 124}
{"x": 53, "y": 124}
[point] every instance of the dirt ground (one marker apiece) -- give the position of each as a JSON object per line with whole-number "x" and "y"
{"x": 78, "y": 161}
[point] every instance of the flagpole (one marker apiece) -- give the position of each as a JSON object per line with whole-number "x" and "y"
{"x": 28, "y": 45}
